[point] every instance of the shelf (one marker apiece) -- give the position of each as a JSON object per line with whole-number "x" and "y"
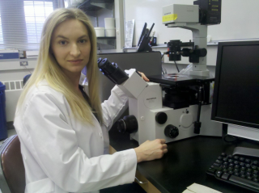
{"x": 95, "y": 5}
{"x": 109, "y": 41}
{"x": 15, "y": 64}
{"x": 212, "y": 43}
{"x": 165, "y": 46}
{"x": 153, "y": 47}
{"x": 106, "y": 38}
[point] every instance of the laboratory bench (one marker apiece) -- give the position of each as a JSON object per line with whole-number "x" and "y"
{"x": 185, "y": 163}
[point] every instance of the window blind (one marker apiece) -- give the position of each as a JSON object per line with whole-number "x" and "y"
{"x": 21, "y": 22}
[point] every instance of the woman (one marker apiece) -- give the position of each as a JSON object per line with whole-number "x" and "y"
{"x": 63, "y": 132}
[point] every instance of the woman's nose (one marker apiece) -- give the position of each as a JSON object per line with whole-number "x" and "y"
{"x": 75, "y": 51}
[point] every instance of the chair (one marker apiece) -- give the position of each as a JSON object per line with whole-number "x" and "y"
{"x": 12, "y": 173}
{"x": 26, "y": 78}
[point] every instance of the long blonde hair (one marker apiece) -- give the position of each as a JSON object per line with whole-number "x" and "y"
{"x": 48, "y": 68}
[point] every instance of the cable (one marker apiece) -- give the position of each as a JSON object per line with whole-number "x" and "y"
{"x": 229, "y": 138}
{"x": 162, "y": 55}
{"x": 164, "y": 71}
{"x": 176, "y": 66}
{"x": 174, "y": 61}
{"x": 27, "y": 69}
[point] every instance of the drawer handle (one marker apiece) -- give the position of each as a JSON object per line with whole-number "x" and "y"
{"x": 141, "y": 182}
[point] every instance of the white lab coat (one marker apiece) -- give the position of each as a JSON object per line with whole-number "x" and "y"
{"x": 63, "y": 155}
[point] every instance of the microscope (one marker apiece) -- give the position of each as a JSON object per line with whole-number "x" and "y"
{"x": 172, "y": 107}
{"x": 195, "y": 18}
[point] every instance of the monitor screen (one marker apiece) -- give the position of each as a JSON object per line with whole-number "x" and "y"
{"x": 236, "y": 89}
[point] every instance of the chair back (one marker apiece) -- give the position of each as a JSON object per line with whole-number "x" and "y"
{"x": 26, "y": 78}
{"x": 12, "y": 174}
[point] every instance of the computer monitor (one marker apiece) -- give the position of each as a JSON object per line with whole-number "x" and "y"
{"x": 147, "y": 62}
{"x": 236, "y": 89}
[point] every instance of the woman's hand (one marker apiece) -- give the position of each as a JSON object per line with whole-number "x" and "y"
{"x": 150, "y": 150}
{"x": 143, "y": 76}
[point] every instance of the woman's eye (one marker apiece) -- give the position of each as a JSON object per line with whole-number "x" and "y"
{"x": 62, "y": 42}
{"x": 83, "y": 41}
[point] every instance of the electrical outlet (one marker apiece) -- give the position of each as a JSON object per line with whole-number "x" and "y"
{"x": 23, "y": 63}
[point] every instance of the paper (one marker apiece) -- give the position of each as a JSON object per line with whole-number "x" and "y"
{"x": 197, "y": 188}
{"x": 129, "y": 32}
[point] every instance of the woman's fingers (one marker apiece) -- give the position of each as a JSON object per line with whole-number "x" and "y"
{"x": 143, "y": 76}
{"x": 163, "y": 141}
{"x": 150, "y": 150}
{"x": 164, "y": 149}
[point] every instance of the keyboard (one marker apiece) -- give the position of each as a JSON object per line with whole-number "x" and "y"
{"x": 239, "y": 170}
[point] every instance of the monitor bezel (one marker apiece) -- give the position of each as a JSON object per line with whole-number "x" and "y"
{"x": 214, "y": 116}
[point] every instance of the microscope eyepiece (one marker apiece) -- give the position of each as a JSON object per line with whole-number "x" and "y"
{"x": 106, "y": 66}
{"x": 112, "y": 71}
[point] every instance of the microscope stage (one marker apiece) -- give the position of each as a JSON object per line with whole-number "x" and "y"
{"x": 174, "y": 79}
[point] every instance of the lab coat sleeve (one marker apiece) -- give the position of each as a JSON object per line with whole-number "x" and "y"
{"x": 113, "y": 106}
{"x": 53, "y": 143}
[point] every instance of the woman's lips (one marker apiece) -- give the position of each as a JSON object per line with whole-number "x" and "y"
{"x": 75, "y": 61}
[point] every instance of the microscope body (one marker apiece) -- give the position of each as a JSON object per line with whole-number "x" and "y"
{"x": 195, "y": 18}
{"x": 154, "y": 120}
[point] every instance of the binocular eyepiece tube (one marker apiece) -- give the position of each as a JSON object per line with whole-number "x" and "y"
{"x": 112, "y": 71}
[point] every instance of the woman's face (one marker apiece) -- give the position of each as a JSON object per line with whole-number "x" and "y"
{"x": 71, "y": 46}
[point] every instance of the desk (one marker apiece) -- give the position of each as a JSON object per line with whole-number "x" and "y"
{"x": 185, "y": 163}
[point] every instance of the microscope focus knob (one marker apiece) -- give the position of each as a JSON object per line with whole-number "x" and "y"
{"x": 161, "y": 117}
{"x": 171, "y": 131}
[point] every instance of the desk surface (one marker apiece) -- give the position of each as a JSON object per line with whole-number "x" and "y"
{"x": 185, "y": 163}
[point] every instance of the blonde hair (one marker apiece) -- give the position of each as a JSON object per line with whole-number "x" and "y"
{"x": 48, "y": 68}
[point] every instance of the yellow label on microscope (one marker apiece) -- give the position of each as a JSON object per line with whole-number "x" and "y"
{"x": 170, "y": 17}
